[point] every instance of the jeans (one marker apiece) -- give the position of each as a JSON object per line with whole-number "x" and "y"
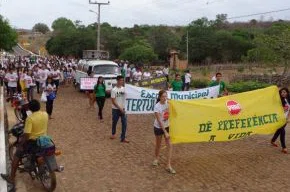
{"x": 37, "y": 86}
{"x": 49, "y": 106}
{"x": 30, "y": 93}
{"x": 167, "y": 78}
{"x": 12, "y": 91}
{"x": 101, "y": 103}
{"x": 280, "y": 132}
{"x": 116, "y": 113}
{"x": 186, "y": 86}
{"x": 127, "y": 79}
{"x": 56, "y": 82}
{"x": 7, "y": 88}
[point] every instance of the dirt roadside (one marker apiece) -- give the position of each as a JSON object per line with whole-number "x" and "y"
{"x": 94, "y": 163}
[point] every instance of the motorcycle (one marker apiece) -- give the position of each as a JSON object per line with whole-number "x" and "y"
{"x": 20, "y": 106}
{"x": 41, "y": 165}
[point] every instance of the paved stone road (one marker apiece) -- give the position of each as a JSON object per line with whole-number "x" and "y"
{"x": 94, "y": 163}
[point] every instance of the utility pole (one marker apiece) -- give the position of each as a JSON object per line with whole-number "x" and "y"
{"x": 187, "y": 48}
{"x": 99, "y": 20}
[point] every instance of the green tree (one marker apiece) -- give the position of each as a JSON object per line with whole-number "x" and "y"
{"x": 162, "y": 40}
{"x": 41, "y": 27}
{"x": 273, "y": 46}
{"x": 62, "y": 25}
{"x": 8, "y": 36}
{"x": 201, "y": 40}
{"x": 139, "y": 53}
{"x": 232, "y": 46}
{"x": 70, "y": 39}
{"x": 221, "y": 21}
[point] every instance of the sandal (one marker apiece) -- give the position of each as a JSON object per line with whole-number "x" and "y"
{"x": 274, "y": 144}
{"x": 171, "y": 170}
{"x": 155, "y": 163}
{"x": 284, "y": 151}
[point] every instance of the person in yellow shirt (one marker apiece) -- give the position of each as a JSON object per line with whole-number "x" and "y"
{"x": 35, "y": 126}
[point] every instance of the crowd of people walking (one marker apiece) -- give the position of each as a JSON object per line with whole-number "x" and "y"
{"x": 44, "y": 76}
{"x": 29, "y": 76}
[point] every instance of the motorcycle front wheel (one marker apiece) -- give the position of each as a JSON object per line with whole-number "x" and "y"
{"x": 47, "y": 177}
{"x": 18, "y": 114}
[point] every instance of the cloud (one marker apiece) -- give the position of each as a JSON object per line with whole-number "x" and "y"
{"x": 125, "y": 13}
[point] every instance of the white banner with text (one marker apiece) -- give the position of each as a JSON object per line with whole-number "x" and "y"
{"x": 141, "y": 100}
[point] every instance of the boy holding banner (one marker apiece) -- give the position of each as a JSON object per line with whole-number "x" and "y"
{"x": 218, "y": 81}
{"x": 118, "y": 109}
{"x": 177, "y": 84}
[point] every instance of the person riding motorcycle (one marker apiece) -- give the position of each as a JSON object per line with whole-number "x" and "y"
{"x": 35, "y": 127}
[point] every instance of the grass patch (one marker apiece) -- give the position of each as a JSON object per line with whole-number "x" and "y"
{"x": 243, "y": 86}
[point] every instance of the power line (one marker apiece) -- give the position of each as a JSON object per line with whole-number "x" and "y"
{"x": 213, "y": 1}
{"x": 263, "y": 13}
{"x": 148, "y": 4}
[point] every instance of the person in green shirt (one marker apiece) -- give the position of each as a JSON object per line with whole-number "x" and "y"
{"x": 223, "y": 89}
{"x": 177, "y": 84}
{"x": 100, "y": 93}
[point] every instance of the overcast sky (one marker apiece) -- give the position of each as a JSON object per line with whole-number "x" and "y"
{"x": 126, "y": 13}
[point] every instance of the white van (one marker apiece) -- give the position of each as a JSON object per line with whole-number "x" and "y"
{"x": 109, "y": 70}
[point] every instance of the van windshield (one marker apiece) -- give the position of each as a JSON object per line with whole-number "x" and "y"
{"x": 106, "y": 69}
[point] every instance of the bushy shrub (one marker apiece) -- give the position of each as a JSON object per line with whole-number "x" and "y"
{"x": 243, "y": 86}
{"x": 199, "y": 83}
{"x": 205, "y": 71}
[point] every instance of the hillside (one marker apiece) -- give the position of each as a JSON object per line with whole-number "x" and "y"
{"x": 33, "y": 41}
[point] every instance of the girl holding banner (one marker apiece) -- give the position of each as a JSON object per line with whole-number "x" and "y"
{"x": 161, "y": 127}
{"x": 285, "y": 99}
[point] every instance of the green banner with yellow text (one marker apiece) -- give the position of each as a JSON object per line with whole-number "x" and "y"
{"x": 227, "y": 118}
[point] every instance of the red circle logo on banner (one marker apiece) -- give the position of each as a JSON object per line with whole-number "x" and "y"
{"x": 234, "y": 107}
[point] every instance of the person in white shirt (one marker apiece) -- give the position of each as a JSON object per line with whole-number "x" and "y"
{"x": 118, "y": 108}
{"x": 146, "y": 74}
{"x": 29, "y": 84}
{"x": 47, "y": 71}
{"x": 128, "y": 75}
{"x": 161, "y": 128}
{"x": 159, "y": 72}
{"x": 133, "y": 70}
{"x": 187, "y": 80}
{"x": 166, "y": 72}
{"x": 137, "y": 76}
{"x": 69, "y": 76}
{"x": 43, "y": 73}
{"x": 2, "y": 75}
{"x": 12, "y": 79}
{"x": 50, "y": 90}
{"x": 55, "y": 73}
{"x": 36, "y": 74}
{"x": 73, "y": 74}
{"x": 125, "y": 66}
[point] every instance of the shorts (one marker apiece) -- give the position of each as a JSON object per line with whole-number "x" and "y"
{"x": 29, "y": 147}
{"x": 159, "y": 131}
